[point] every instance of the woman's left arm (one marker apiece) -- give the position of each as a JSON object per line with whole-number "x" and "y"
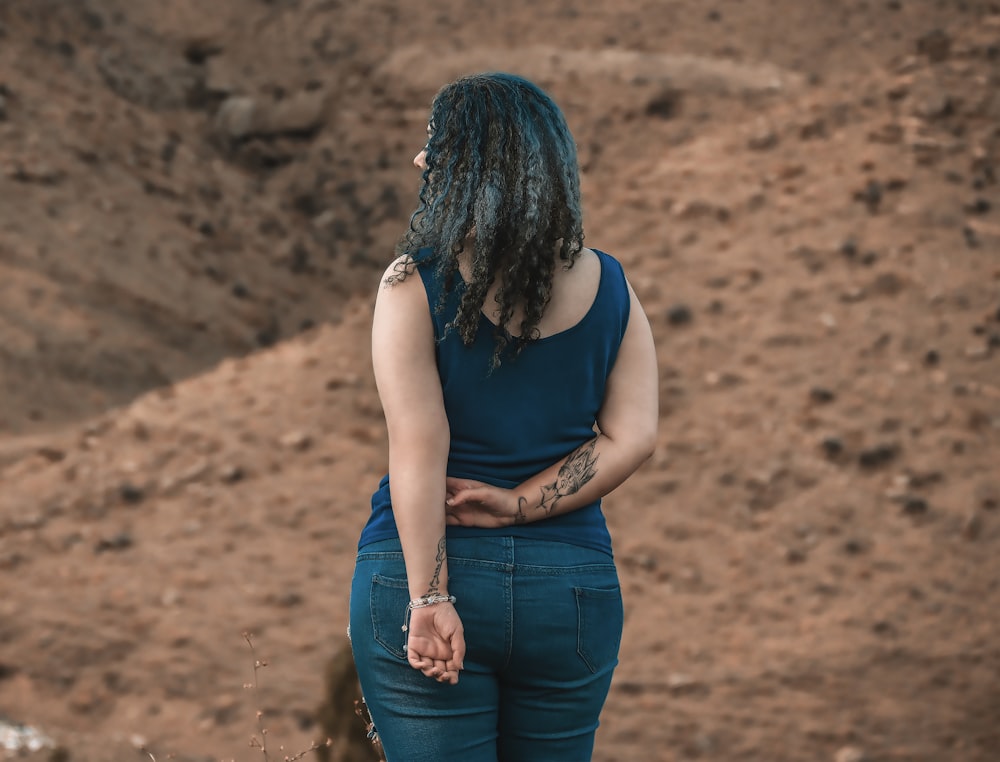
{"x": 627, "y": 424}
{"x": 410, "y": 391}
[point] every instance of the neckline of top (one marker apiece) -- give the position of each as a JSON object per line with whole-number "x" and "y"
{"x": 569, "y": 329}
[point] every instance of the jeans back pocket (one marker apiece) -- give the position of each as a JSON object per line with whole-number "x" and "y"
{"x": 389, "y": 598}
{"x": 600, "y": 617}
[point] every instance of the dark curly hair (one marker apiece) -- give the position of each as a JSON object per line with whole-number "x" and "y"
{"x": 501, "y": 167}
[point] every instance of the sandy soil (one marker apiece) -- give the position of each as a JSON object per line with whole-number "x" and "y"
{"x": 194, "y": 208}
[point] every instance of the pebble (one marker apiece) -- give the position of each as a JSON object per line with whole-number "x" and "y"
{"x": 979, "y": 206}
{"x": 833, "y": 447}
{"x": 763, "y": 138}
{"x": 850, "y": 754}
{"x": 679, "y": 683}
{"x": 936, "y": 45}
{"x": 914, "y": 505}
{"x": 821, "y": 395}
{"x": 231, "y": 473}
{"x": 977, "y": 352}
{"x": 296, "y": 440}
{"x": 988, "y": 496}
{"x": 131, "y": 494}
{"x": 120, "y": 541}
{"x": 878, "y": 456}
{"x": 871, "y": 196}
{"x": 679, "y": 314}
{"x": 795, "y": 555}
{"x": 972, "y": 526}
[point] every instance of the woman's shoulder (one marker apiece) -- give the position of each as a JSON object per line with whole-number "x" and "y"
{"x": 403, "y": 266}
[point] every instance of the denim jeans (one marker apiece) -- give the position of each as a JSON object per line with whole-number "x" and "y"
{"x": 543, "y": 623}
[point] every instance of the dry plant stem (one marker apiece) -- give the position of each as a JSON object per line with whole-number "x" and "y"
{"x": 262, "y": 743}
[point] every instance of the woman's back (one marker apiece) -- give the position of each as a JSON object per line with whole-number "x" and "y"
{"x": 511, "y": 421}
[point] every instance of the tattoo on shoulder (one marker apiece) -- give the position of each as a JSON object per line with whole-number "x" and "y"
{"x": 442, "y": 553}
{"x": 578, "y": 469}
{"x": 400, "y": 270}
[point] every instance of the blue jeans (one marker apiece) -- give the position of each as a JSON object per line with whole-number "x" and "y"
{"x": 543, "y": 623}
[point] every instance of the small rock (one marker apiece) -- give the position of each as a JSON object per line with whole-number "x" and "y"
{"x": 884, "y": 627}
{"x": 813, "y": 129}
{"x": 932, "y": 357}
{"x": 679, "y": 684}
{"x": 679, "y": 314}
{"x": 972, "y": 526}
{"x": 296, "y": 440}
{"x": 235, "y": 117}
{"x": 936, "y": 105}
{"x": 231, "y": 473}
{"x": 763, "y": 138}
{"x": 795, "y": 555}
{"x": 853, "y": 295}
{"x": 988, "y": 496}
{"x": 977, "y": 352}
{"x": 833, "y": 447}
{"x": 979, "y": 206}
{"x": 130, "y": 494}
{"x": 878, "y": 456}
{"x": 850, "y": 754}
{"x": 821, "y": 395}
{"x": 886, "y": 284}
{"x": 871, "y": 196}
{"x": 285, "y": 600}
{"x": 3, "y": 108}
{"x": 120, "y": 541}
{"x": 666, "y": 104}
{"x": 970, "y": 236}
{"x": 811, "y": 258}
{"x": 241, "y": 117}
{"x": 855, "y": 547}
{"x": 936, "y": 45}
{"x": 914, "y": 505}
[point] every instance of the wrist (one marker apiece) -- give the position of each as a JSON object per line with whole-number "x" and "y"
{"x": 432, "y": 599}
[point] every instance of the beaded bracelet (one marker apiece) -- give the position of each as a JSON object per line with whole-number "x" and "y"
{"x": 422, "y": 602}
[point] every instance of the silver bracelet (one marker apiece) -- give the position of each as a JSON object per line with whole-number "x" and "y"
{"x": 429, "y": 600}
{"x": 419, "y": 603}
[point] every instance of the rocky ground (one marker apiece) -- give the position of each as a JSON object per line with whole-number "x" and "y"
{"x": 195, "y": 206}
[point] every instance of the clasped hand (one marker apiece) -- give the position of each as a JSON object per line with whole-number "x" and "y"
{"x": 470, "y": 503}
{"x": 435, "y": 642}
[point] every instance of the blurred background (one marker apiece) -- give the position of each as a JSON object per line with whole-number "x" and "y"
{"x": 196, "y": 203}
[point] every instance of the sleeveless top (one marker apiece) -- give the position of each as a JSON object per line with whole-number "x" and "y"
{"x": 527, "y": 414}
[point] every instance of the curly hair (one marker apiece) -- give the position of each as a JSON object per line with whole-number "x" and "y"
{"x": 501, "y": 168}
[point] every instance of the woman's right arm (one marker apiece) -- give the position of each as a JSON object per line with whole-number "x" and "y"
{"x": 627, "y": 425}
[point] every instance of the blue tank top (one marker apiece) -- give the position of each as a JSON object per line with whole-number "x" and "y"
{"x": 529, "y": 413}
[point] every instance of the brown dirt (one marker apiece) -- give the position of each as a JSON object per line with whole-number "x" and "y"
{"x": 194, "y": 206}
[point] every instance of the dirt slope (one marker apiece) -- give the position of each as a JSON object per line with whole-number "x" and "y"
{"x": 193, "y": 208}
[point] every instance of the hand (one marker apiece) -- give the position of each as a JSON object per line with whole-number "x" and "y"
{"x": 435, "y": 642}
{"x": 476, "y": 504}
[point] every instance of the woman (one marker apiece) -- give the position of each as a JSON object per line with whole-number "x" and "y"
{"x": 486, "y": 613}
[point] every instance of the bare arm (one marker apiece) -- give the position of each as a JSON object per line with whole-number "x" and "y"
{"x": 410, "y": 391}
{"x": 627, "y": 422}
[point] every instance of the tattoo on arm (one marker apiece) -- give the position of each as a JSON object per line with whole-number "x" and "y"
{"x": 520, "y": 517}
{"x": 434, "y": 587}
{"x": 578, "y": 469}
